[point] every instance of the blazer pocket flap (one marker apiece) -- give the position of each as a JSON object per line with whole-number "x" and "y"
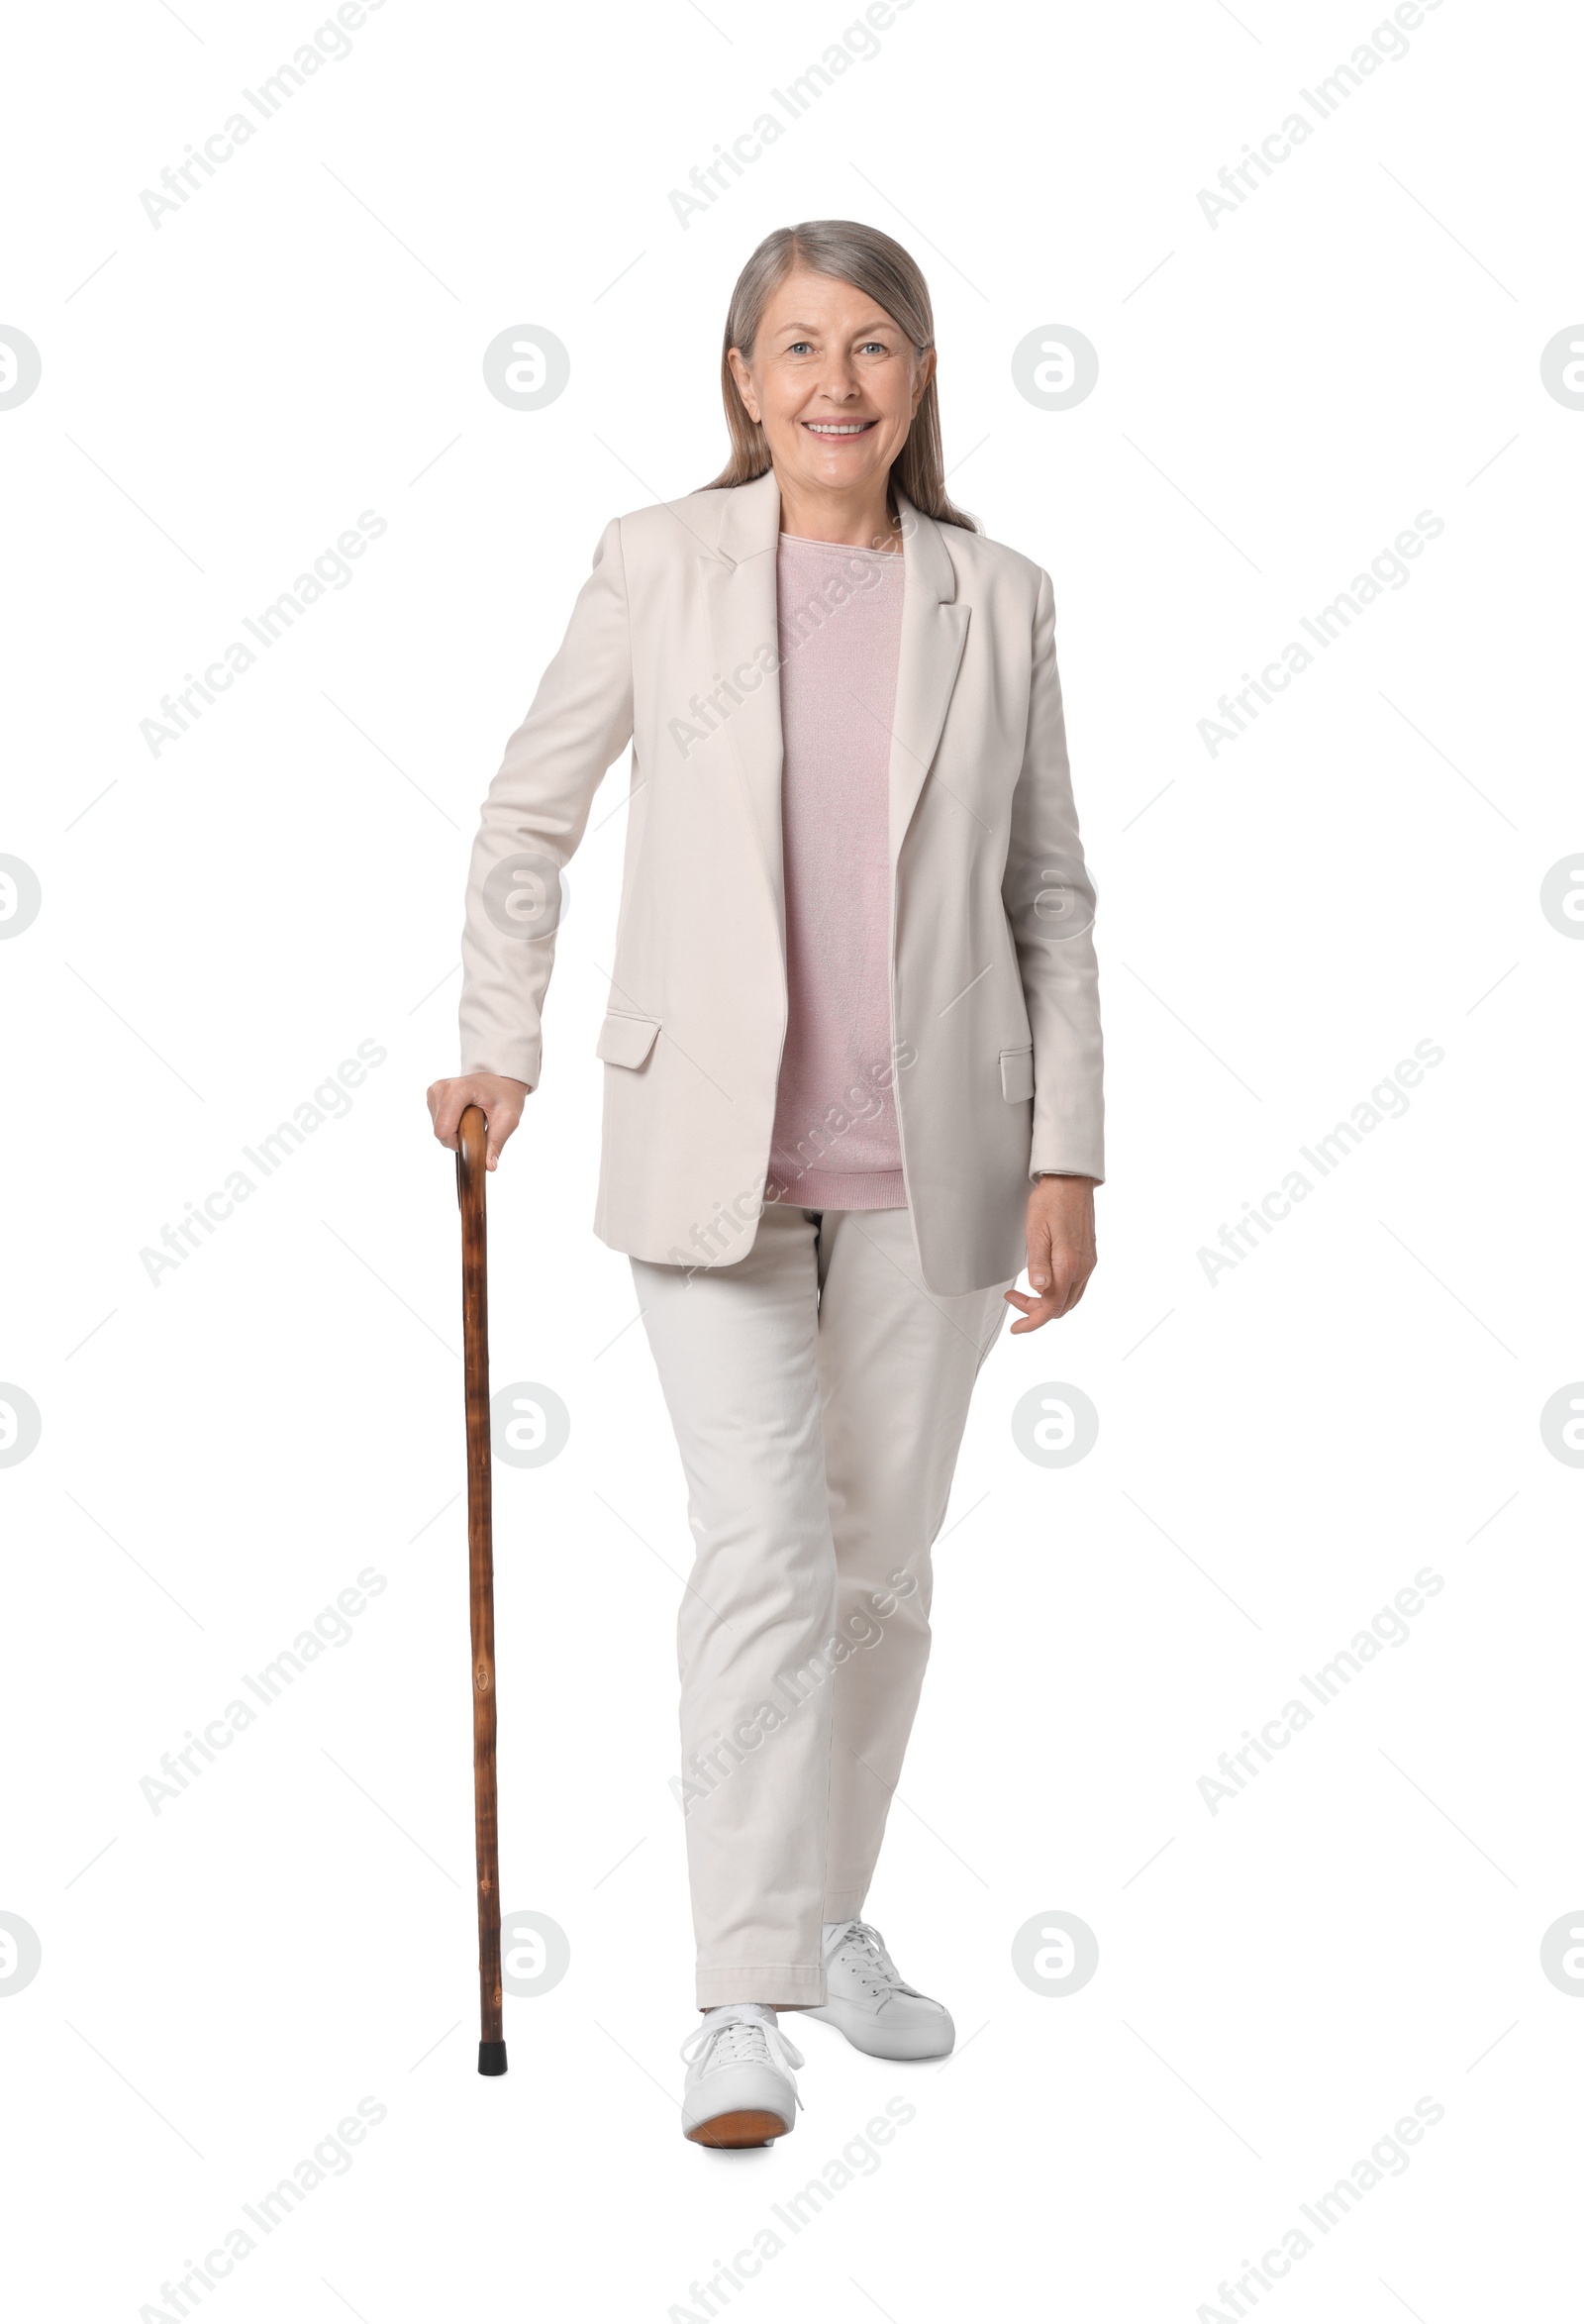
{"x": 1017, "y": 1074}
{"x": 626, "y": 1041}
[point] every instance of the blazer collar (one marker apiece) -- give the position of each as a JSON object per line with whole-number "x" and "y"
{"x": 739, "y": 579}
{"x": 750, "y": 524}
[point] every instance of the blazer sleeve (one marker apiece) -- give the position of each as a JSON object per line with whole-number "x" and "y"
{"x": 536, "y": 813}
{"x": 1049, "y": 902}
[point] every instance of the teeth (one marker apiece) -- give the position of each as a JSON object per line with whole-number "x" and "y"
{"x": 828, "y": 428}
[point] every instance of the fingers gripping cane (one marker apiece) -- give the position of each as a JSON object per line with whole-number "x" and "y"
{"x": 470, "y": 1148}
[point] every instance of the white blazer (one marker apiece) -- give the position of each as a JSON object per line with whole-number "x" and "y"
{"x": 672, "y": 646}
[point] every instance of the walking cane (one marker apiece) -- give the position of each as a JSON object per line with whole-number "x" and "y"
{"x": 470, "y": 1145}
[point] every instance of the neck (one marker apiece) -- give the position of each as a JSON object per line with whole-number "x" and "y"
{"x": 858, "y": 519}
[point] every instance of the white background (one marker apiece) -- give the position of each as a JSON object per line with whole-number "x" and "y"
{"x": 1279, "y": 1452}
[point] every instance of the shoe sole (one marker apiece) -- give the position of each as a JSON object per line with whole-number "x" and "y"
{"x": 750, "y": 2127}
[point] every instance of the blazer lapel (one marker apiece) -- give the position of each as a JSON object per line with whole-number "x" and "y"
{"x": 740, "y": 590}
{"x": 935, "y": 629}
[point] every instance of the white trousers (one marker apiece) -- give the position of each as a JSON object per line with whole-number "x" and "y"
{"x": 819, "y": 1393}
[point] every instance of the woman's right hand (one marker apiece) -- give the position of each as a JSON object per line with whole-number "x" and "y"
{"x": 501, "y": 1101}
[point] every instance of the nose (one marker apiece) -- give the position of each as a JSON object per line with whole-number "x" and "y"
{"x": 840, "y": 383}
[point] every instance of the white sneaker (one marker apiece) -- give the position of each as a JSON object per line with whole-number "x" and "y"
{"x": 739, "y": 2090}
{"x": 866, "y": 1999}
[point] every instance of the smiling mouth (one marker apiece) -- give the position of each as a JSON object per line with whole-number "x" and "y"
{"x": 840, "y": 429}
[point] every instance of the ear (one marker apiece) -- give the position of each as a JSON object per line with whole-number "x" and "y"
{"x": 739, "y": 372}
{"x": 926, "y": 374}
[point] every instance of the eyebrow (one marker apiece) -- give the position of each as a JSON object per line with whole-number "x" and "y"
{"x": 865, "y": 331}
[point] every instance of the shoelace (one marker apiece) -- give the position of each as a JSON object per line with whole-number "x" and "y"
{"x": 741, "y": 2038}
{"x": 862, "y": 1949}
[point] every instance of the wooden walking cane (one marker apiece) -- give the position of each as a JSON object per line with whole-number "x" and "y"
{"x": 470, "y": 1148}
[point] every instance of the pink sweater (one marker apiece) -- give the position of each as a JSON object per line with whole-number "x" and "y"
{"x": 839, "y": 616}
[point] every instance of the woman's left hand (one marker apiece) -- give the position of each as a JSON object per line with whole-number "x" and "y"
{"x": 1060, "y": 1235}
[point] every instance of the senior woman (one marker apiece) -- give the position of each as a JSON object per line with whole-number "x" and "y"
{"x": 853, "y": 1076}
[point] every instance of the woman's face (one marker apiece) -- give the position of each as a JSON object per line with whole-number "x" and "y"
{"x": 833, "y": 382}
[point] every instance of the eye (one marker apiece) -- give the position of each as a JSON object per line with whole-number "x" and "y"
{"x": 878, "y": 346}
{"x": 800, "y": 346}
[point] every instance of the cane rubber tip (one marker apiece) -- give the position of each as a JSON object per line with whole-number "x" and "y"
{"x": 492, "y": 2056}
